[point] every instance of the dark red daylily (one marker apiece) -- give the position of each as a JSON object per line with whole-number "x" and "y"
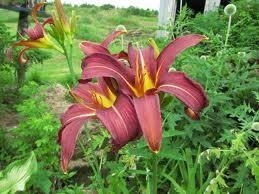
{"x": 146, "y": 74}
{"x": 37, "y": 37}
{"x": 98, "y": 100}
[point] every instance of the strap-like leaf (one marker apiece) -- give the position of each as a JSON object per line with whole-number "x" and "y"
{"x": 16, "y": 174}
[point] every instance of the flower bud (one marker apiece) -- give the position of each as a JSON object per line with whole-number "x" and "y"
{"x": 230, "y": 9}
{"x": 212, "y": 181}
{"x": 203, "y": 57}
{"x": 255, "y": 126}
{"x": 241, "y": 54}
{"x": 121, "y": 28}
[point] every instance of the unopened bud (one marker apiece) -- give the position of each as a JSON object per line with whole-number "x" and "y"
{"x": 230, "y": 9}
{"x": 241, "y": 54}
{"x": 212, "y": 181}
{"x": 203, "y": 57}
{"x": 255, "y": 126}
{"x": 121, "y": 28}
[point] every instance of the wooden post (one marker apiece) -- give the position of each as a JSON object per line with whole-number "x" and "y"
{"x": 167, "y": 12}
{"x": 23, "y": 24}
{"x": 211, "y": 5}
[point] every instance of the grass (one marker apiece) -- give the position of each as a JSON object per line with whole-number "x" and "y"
{"x": 93, "y": 23}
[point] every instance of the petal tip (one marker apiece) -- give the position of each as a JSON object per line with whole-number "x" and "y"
{"x": 205, "y": 37}
{"x": 154, "y": 147}
{"x": 192, "y": 114}
{"x": 64, "y": 165}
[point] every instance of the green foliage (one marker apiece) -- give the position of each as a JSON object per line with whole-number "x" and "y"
{"x": 16, "y": 174}
{"x": 131, "y": 10}
{"x": 37, "y": 131}
{"x": 245, "y": 24}
{"x": 5, "y": 41}
{"x": 107, "y": 6}
{"x": 38, "y": 126}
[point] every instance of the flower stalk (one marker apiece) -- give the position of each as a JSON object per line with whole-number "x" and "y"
{"x": 228, "y": 30}
{"x": 154, "y": 180}
{"x": 229, "y": 10}
{"x": 69, "y": 57}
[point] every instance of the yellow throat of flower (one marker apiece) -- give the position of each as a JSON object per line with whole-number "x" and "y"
{"x": 97, "y": 100}
{"x": 103, "y": 101}
{"x": 143, "y": 81}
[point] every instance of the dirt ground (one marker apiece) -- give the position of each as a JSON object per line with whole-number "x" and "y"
{"x": 55, "y": 97}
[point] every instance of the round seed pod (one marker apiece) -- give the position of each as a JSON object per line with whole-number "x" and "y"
{"x": 230, "y": 9}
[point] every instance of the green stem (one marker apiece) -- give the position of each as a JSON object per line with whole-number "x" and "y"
{"x": 69, "y": 57}
{"x": 122, "y": 43}
{"x": 93, "y": 162}
{"x": 228, "y": 30}
{"x": 153, "y": 183}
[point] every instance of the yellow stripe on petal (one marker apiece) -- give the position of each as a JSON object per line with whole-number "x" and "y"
{"x": 112, "y": 96}
{"x": 146, "y": 82}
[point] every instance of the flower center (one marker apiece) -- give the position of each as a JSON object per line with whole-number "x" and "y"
{"x": 143, "y": 82}
{"x": 103, "y": 101}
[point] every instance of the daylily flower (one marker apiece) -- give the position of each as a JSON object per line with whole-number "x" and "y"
{"x": 37, "y": 37}
{"x": 98, "y": 100}
{"x": 146, "y": 74}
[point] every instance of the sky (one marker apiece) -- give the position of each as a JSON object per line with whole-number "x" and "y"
{"x": 145, "y": 4}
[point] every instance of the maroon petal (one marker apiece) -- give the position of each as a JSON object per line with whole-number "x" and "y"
{"x": 72, "y": 121}
{"x": 36, "y": 32}
{"x": 149, "y": 61}
{"x": 89, "y": 48}
{"x": 121, "y": 121}
{"x": 169, "y": 53}
{"x": 121, "y": 55}
{"x": 103, "y": 65}
{"x": 132, "y": 54}
{"x": 149, "y": 116}
{"x": 108, "y": 85}
{"x": 111, "y": 37}
{"x": 188, "y": 91}
{"x": 35, "y": 9}
{"x": 21, "y": 58}
{"x": 49, "y": 20}
{"x": 192, "y": 114}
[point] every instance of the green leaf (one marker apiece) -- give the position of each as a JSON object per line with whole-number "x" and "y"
{"x": 17, "y": 174}
{"x": 41, "y": 179}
